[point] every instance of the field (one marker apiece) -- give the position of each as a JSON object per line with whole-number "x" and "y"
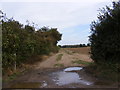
{"x": 83, "y": 50}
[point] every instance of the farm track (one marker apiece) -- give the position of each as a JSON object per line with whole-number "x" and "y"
{"x": 64, "y": 58}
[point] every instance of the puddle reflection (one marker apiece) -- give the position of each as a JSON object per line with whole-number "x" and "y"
{"x": 64, "y": 77}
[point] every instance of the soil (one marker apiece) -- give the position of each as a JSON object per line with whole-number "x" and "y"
{"x": 69, "y": 55}
{"x": 40, "y": 74}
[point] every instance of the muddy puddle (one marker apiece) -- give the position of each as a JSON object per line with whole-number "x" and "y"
{"x": 71, "y": 77}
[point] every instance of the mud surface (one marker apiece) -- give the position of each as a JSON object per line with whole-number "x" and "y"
{"x": 57, "y": 78}
{"x": 59, "y": 71}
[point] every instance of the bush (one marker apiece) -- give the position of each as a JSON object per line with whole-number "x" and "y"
{"x": 105, "y": 38}
{"x": 20, "y": 42}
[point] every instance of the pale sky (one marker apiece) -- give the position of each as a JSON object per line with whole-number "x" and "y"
{"x": 71, "y": 17}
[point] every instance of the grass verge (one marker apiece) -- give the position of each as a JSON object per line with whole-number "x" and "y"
{"x": 58, "y": 65}
{"x": 59, "y": 57}
{"x": 12, "y": 77}
{"x": 82, "y": 62}
{"x": 103, "y": 72}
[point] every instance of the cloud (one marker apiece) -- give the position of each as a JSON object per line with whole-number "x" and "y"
{"x": 56, "y": 13}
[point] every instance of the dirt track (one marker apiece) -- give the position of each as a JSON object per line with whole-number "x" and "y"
{"x": 68, "y": 56}
{"x": 43, "y": 73}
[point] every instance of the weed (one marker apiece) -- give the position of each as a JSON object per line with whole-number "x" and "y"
{"x": 58, "y": 65}
{"x": 59, "y": 57}
{"x": 12, "y": 77}
{"x": 81, "y": 62}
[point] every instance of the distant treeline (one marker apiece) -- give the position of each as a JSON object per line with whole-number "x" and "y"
{"x": 19, "y": 42}
{"x": 74, "y": 46}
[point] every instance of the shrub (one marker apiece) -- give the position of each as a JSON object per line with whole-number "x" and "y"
{"x": 105, "y": 38}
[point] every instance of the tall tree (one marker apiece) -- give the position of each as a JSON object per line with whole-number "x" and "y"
{"x": 105, "y": 38}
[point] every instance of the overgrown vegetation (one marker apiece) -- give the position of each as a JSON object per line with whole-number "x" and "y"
{"x": 105, "y": 38}
{"x": 20, "y": 42}
{"x": 12, "y": 77}
{"x": 103, "y": 72}
{"x": 105, "y": 41}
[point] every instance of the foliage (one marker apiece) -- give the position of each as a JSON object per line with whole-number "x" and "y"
{"x": 20, "y": 42}
{"x": 105, "y": 38}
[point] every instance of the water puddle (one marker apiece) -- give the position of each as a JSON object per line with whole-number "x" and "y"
{"x": 56, "y": 78}
{"x": 67, "y": 76}
{"x": 72, "y": 69}
{"x": 63, "y": 78}
{"x": 44, "y": 84}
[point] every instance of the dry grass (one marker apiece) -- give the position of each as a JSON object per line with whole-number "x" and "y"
{"x": 82, "y": 50}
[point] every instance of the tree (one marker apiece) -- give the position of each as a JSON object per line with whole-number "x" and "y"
{"x": 20, "y": 43}
{"x": 105, "y": 38}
